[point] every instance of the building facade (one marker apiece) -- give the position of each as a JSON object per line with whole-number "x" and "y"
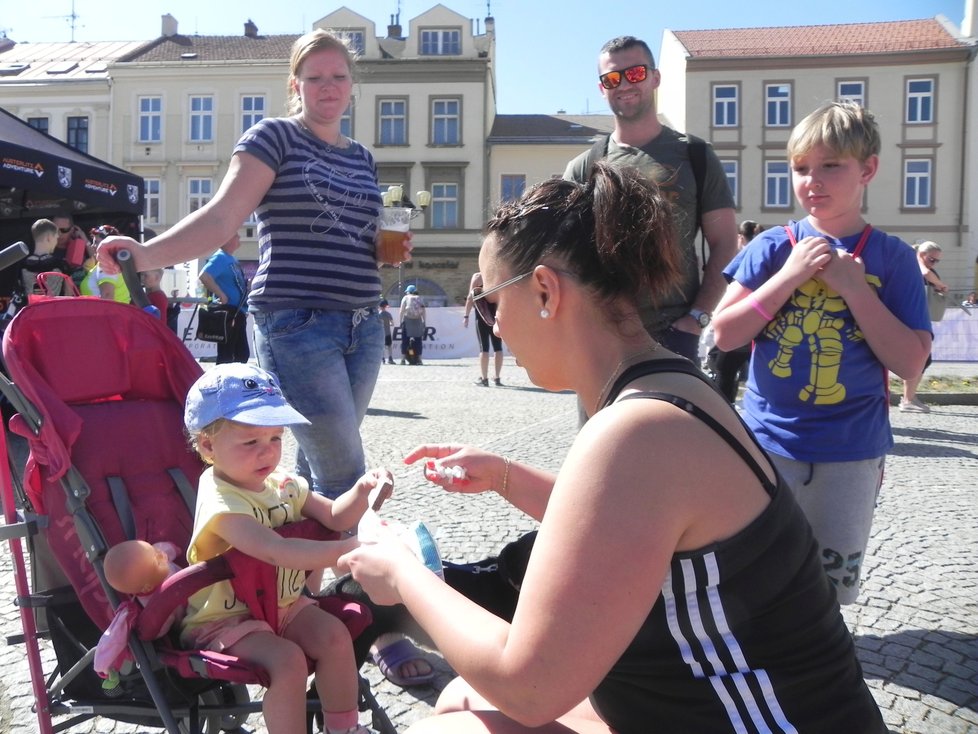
{"x": 171, "y": 109}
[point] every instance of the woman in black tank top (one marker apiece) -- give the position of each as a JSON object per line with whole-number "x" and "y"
{"x": 673, "y": 584}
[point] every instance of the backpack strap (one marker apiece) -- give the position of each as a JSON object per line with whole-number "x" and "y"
{"x": 598, "y": 151}
{"x": 696, "y": 148}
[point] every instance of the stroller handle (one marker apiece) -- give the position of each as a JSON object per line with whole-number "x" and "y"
{"x": 135, "y": 286}
{"x": 13, "y": 254}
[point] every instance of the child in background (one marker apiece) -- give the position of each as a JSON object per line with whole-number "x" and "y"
{"x": 44, "y": 259}
{"x": 388, "y": 323}
{"x": 152, "y": 280}
{"x": 831, "y": 304}
{"x": 235, "y": 415}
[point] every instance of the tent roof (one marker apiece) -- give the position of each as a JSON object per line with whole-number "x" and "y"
{"x": 35, "y": 167}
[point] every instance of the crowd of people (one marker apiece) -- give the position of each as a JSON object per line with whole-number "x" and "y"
{"x": 730, "y": 618}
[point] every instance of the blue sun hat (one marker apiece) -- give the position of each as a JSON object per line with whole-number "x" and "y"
{"x": 238, "y": 392}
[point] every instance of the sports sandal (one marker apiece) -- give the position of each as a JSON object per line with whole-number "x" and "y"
{"x": 390, "y": 659}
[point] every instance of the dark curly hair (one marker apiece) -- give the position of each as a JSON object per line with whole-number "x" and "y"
{"x": 615, "y": 234}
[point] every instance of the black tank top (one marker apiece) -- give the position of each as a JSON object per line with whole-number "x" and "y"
{"x": 746, "y": 634}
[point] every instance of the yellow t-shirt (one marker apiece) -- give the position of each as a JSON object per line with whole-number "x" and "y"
{"x": 280, "y": 502}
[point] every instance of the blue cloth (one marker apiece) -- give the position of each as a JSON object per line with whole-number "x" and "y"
{"x": 317, "y": 224}
{"x": 227, "y": 273}
{"x": 327, "y": 363}
{"x": 815, "y": 391}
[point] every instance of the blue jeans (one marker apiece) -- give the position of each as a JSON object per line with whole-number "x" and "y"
{"x": 327, "y": 363}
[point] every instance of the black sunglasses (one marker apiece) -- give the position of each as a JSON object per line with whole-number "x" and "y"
{"x": 64, "y": 230}
{"x": 634, "y": 75}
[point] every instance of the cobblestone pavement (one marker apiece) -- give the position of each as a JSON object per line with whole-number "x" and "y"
{"x": 916, "y": 624}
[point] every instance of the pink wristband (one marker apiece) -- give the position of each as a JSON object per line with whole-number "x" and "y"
{"x": 756, "y": 305}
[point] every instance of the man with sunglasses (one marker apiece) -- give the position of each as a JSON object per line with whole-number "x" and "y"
{"x": 627, "y": 78}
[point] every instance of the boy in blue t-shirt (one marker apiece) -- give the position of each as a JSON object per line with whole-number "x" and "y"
{"x": 832, "y": 306}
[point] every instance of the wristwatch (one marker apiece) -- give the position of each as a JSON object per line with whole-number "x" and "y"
{"x": 701, "y": 317}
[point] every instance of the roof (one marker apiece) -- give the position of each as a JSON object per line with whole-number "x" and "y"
{"x": 215, "y": 48}
{"x": 820, "y": 40}
{"x": 52, "y": 61}
{"x": 549, "y": 128}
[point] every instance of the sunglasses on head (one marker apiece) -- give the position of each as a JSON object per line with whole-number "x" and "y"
{"x": 634, "y": 75}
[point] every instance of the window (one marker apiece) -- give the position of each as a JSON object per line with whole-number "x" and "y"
{"x": 252, "y": 110}
{"x": 444, "y": 205}
{"x": 777, "y": 184}
{"x": 356, "y": 37}
{"x": 724, "y": 105}
{"x": 150, "y": 119}
{"x": 38, "y": 123}
{"x": 441, "y": 42}
{"x": 731, "y": 169}
{"x": 777, "y": 105}
{"x": 199, "y": 192}
{"x": 511, "y": 186}
{"x": 917, "y": 183}
{"x": 920, "y": 101}
{"x": 346, "y": 122}
{"x": 201, "y": 119}
{"x": 851, "y": 91}
{"x": 152, "y": 209}
{"x": 445, "y": 122}
{"x": 78, "y": 133}
{"x": 393, "y": 122}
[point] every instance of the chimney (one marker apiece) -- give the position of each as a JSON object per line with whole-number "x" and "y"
{"x": 169, "y": 25}
{"x": 250, "y": 29}
{"x": 394, "y": 29}
{"x": 490, "y": 25}
{"x": 968, "y": 23}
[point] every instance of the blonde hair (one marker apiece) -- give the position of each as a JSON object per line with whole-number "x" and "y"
{"x": 927, "y": 246}
{"x": 845, "y": 127}
{"x": 210, "y": 430}
{"x": 310, "y": 43}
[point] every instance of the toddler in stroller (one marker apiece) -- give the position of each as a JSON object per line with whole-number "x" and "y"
{"x": 235, "y": 415}
{"x": 98, "y": 390}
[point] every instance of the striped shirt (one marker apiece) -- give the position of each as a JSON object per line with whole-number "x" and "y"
{"x": 317, "y": 224}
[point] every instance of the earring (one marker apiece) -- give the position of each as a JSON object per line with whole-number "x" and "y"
{"x": 544, "y": 313}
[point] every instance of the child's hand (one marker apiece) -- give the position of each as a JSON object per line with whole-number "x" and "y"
{"x": 844, "y": 273}
{"x": 377, "y": 485}
{"x": 807, "y": 258}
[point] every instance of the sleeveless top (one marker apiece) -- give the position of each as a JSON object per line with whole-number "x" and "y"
{"x": 746, "y": 635}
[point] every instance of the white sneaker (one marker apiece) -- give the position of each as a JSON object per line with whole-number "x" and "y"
{"x": 913, "y": 406}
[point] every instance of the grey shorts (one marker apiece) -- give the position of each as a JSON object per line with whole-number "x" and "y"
{"x": 839, "y": 499}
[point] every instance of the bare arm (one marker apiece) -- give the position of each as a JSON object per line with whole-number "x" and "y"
{"x": 345, "y": 511}
{"x": 211, "y": 285}
{"x": 581, "y": 572}
{"x": 720, "y": 230}
{"x": 525, "y": 487}
{"x": 252, "y": 538}
{"x": 200, "y": 233}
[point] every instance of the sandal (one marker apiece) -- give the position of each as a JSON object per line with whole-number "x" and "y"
{"x": 390, "y": 659}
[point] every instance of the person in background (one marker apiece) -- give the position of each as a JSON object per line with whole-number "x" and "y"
{"x": 412, "y": 315}
{"x": 98, "y": 281}
{"x": 44, "y": 259}
{"x": 315, "y": 194}
{"x": 628, "y": 80}
{"x": 832, "y": 305}
{"x": 727, "y": 366}
{"x": 72, "y": 243}
{"x": 485, "y": 336}
{"x": 674, "y": 584}
{"x": 928, "y": 256}
{"x": 388, "y": 321}
{"x": 152, "y": 281}
{"x": 223, "y": 277}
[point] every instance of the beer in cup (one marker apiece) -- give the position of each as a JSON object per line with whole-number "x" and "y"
{"x": 395, "y": 221}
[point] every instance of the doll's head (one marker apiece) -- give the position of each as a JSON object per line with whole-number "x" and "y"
{"x": 135, "y": 567}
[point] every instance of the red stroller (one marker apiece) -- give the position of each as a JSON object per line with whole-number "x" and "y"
{"x": 97, "y": 389}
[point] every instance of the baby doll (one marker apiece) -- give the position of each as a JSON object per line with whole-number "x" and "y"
{"x": 138, "y": 568}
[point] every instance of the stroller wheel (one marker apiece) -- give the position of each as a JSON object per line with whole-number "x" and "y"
{"x": 228, "y": 695}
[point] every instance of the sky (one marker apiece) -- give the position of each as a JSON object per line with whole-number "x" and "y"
{"x": 546, "y": 50}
